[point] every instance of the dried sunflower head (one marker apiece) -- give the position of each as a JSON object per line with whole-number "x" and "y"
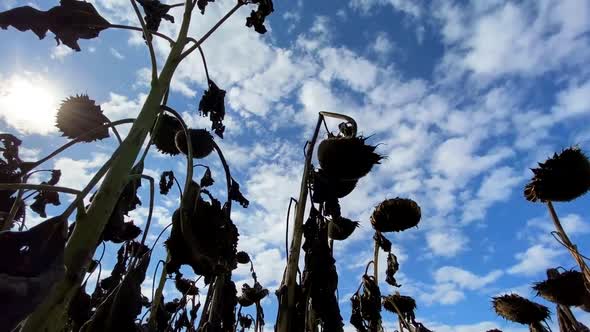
{"x": 167, "y": 128}
{"x": 326, "y": 188}
{"x": 396, "y": 215}
{"x": 78, "y": 116}
{"x": 347, "y": 158}
{"x": 566, "y": 288}
{"x": 520, "y": 310}
{"x": 341, "y": 228}
{"x": 405, "y": 304}
{"x": 201, "y": 141}
{"x": 562, "y": 178}
{"x": 242, "y": 257}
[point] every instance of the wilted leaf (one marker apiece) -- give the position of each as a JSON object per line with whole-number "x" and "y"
{"x": 32, "y": 262}
{"x": 207, "y": 179}
{"x": 155, "y": 11}
{"x": 212, "y": 104}
{"x": 119, "y": 311}
{"x": 382, "y": 241}
{"x": 166, "y": 182}
{"x": 70, "y": 21}
{"x": 256, "y": 18}
{"x": 392, "y": 268}
{"x": 236, "y": 194}
{"x": 202, "y": 4}
{"x": 41, "y": 201}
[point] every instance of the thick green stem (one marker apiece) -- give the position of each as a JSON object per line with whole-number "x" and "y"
{"x": 50, "y": 315}
{"x": 376, "y": 262}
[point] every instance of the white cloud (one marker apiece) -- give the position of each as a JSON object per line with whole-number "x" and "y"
{"x": 409, "y": 7}
{"x": 382, "y": 45}
{"x": 60, "y": 52}
{"x": 465, "y": 279}
{"x": 526, "y": 38}
{"x": 446, "y": 242}
{"x": 496, "y": 187}
{"x": 116, "y": 53}
{"x": 535, "y": 259}
{"x": 573, "y": 100}
{"x": 76, "y": 173}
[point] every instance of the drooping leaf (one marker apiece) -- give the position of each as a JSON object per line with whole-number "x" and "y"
{"x": 382, "y": 241}
{"x": 41, "y": 201}
{"x": 207, "y": 241}
{"x": 236, "y": 194}
{"x": 70, "y": 21}
{"x": 32, "y": 261}
{"x": 256, "y": 18}
{"x": 80, "y": 116}
{"x": 155, "y": 11}
{"x": 202, "y": 4}
{"x": 166, "y": 182}
{"x": 119, "y": 311}
{"x": 207, "y": 179}
{"x": 392, "y": 268}
{"x": 212, "y": 104}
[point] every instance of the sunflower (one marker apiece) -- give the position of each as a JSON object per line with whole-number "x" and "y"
{"x": 395, "y": 215}
{"x": 561, "y": 178}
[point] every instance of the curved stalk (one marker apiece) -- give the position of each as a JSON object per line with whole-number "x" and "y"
{"x": 148, "y": 39}
{"x": 43, "y": 187}
{"x": 77, "y": 140}
{"x": 81, "y": 244}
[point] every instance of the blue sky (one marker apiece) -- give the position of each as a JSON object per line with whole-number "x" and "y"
{"x": 464, "y": 98}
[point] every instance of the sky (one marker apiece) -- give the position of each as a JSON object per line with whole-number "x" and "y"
{"x": 463, "y": 97}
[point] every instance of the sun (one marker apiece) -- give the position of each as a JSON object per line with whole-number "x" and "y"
{"x": 28, "y": 103}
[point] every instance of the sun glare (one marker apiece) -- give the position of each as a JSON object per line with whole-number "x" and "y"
{"x": 29, "y": 103}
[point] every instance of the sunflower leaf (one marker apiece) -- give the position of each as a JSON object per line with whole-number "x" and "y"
{"x": 70, "y": 21}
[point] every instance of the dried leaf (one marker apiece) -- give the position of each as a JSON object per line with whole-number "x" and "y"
{"x": 212, "y": 104}
{"x": 41, "y": 201}
{"x": 207, "y": 179}
{"x": 32, "y": 262}
{"x": 256, "y": 18}
{"x": 166, "y": 182}
{"x": 155, "y": 11}
{"x": 202, "y": 4}
{"x": 119, "y": 311}
{"x": 236, "y": 194}
{"x": 382, "y": 241}
{"x": 70, "y": 21}
{"x": 392, "y": 268}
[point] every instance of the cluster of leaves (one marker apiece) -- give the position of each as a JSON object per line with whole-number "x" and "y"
{"x": 70, "y": 21}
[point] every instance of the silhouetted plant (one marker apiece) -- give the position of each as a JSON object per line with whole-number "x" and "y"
{"x": 563, "y": 177}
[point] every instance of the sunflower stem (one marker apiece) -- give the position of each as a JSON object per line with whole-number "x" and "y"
{"x": 157, "y": 297}
{"x": 569, "y": 245}
{"x": 376, "y": 261}
{"x": 82, "y": 242}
